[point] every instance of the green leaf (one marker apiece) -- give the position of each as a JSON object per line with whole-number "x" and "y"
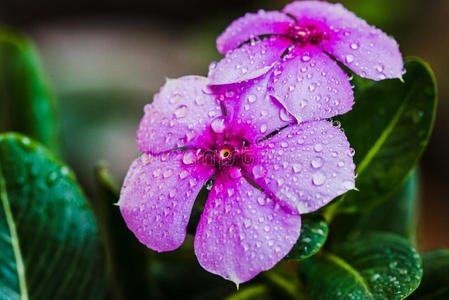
{"x": 435, "y": 282}
{"x": 389, "y": 128}
{"x": 48, "y": 237}
{"x": 313, "y": 235}
{"x": 26, "y": 99}
{"x": 396, "y": 215}
{"x": 128, "y": 260}
{"x": 375, "y": 266}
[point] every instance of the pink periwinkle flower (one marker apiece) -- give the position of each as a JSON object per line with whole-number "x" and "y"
{"x": 243, "y": 230}
{"x": 295, "y": 46}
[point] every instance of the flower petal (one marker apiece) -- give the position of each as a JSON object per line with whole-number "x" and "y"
{"x": 250, "y": 104}
{"x": 251, "y": 26}
{"x": 249, "y": 61}
{"x": 311, "y": 85}
{"x": 242, "y": 232}
{"x": 366, "y": 50}
{"x": 305, "y": 166}
{"x": 180, "y": 113}
{"x": 369, "y": 52}
{"x": 157, "y": 197}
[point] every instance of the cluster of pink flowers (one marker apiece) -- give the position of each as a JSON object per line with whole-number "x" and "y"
{"x": 257, "y": 126}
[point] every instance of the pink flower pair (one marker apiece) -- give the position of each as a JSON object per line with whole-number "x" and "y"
{"x": 220, "y": 127}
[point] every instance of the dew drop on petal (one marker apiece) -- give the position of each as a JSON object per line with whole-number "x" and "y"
{"x": 285, "y": 115}
{"x": 167, "y": 173}
{"x": 252, "y": 98}
{"x": 218, "y": 125}
{"x": 318, "y": 147}
{"x": 318, "y": 178}
{"x": 183, "y": 174}
{"x": 181, "y": 112}
{"x": 235, "y": 173}
{"x": 297, "y": 167}
{"x": 258, "y": 172}
{"x": 305, "y": 58}
{"x": 354, "y": 46}
{"x": 263, "y": 128}
{"x": 189, "y": 158}
{"x": 317, "y": 162}
{"x": 231, "y": 191}
{"x": 349, "y": 58}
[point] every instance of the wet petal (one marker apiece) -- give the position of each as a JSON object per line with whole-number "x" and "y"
{"x": 311, "y": 85}
{"x": 242, "y": 232}
{"x": 305, "y": 166}
{"x": 180, "y": 113}
{"x": 250, "y": 61}
{"x": 250, "y": 106}
{"x": 251, "y": 26}
{"x": 157, "y": 197}
{"x": 366, "y": 50}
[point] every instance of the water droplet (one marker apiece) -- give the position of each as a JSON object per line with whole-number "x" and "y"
{"x": 284, "y": 144}
{"x": 285, "y": 115}
{"x": 183, "y": 174}
{"x": 52, "y": 177}
{"x": 318, "y": 178}
{"x": 349, "y": 58}
{"x": 258, "y": 172}
{"x": 380, "y": 68}
{"x": 354, "y": 46}
{"x": 318, "y": 147}
{"x": 181, "y": 112}
{"x": 189, "y": 158}
{"x": 209, "y": 185}
{"x": 297, "y": 167}
{"x": 172, "y": 194}
{"x": 157, "y": 172}
{"x": 167, "y": 173}
{"x": 218, "y": 125}
{"x": 317, "y": 162}
{"x": 251, "y": 98}
{"x": 305, "y": 58}
{"x": 340, "y": 164}
{"x": 263, "y": 128}
{"x": 261, "y": 200}
{"x": 235, "y": 173}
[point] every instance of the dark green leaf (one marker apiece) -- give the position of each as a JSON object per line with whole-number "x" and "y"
{"x": 128, "y": 260}
{"x": 375, "y": 266}
{"x": 396, "y": 215}
{"x": 389, "y": 128}
{"x": 48, "y": 236}
{"x": 26, "y": 100}
{"x": 313, "y": 235}
{"x": 435, "y": 282}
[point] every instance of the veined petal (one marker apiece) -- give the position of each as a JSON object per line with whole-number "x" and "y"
{"x": 242, "y": 232}
{"x": 366, "y": 50}
{"x": 250, "y": 61}
{"x": 249, "y": 105}
{"x": 305, "y": 166}
{"x": 310, "y": 85}
{"x": 157, "y": 196}
{"x": 251, "y": 26}
{"x": 179, "y": 114}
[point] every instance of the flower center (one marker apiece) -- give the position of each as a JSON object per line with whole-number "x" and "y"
{"x": 306, "y": 34}
{"x": 224, "y": 153}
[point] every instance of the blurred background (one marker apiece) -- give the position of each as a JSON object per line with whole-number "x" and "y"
{"x": 106, "y": 59}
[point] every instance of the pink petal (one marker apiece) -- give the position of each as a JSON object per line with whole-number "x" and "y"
{"x": 157, "y": 197}
{"x": 242, "y": 232}
{"x": 251, "y": 26}
{"x": 305, "y": 166}
{"x": 249, "y": 106}
{"x": 249, "y": 61}
{"x": 366, "y": 50}
{"x": 311, "y": 85}
{"x": 179, "y": 114}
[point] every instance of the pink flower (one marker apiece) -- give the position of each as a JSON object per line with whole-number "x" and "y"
{"x": 297, "y": 54}
{"x": 243, "y": 230}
